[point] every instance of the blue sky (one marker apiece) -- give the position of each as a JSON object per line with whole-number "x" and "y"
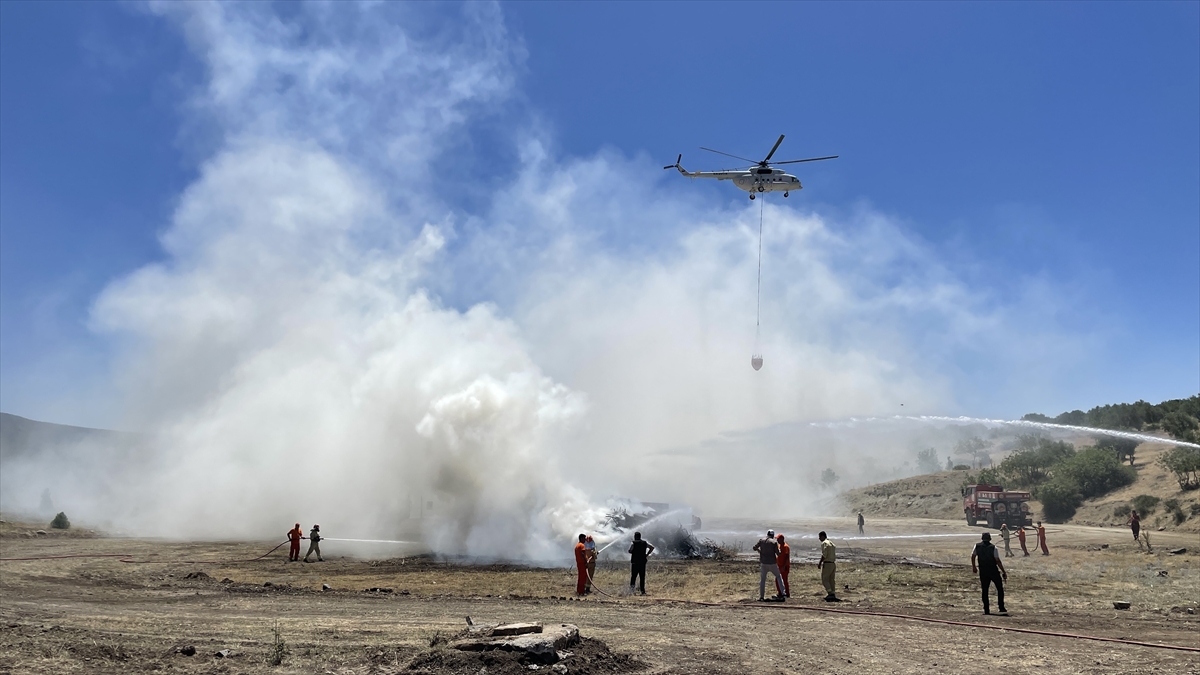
{"x": 1046, "y": 157}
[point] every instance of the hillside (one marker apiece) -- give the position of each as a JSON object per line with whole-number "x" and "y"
{"x": 24, "y": 438}
{"x": 42, "y": 466}
{"x": 937, "y": 495}
{"x": 934, "y": 495}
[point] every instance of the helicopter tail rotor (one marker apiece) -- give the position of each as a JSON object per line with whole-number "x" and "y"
{"x": 676, "y": 164}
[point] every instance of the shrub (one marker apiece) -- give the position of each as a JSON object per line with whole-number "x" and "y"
{"x": 961, "y": 467}
{"x": 1195, "y": 509}
{"x": 1179, "y": 516}
{"x": 828, "y": 478}
{"x": 1094, "y": 472}
{"x": 61, "y": 522}
{"x": 1184, "y": 462}
{"x": 1060, "y": 499}
{"x": 1171, "y": 505}
{"x": 1145, "y": 504}
{"x": 1121, "y": 511}
{"x": 279, "y": 649}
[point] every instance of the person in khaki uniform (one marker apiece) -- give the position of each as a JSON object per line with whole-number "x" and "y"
{"x": 314, "y": 538}
{"x": 828, "y": 567}
{"x": 1006, "y": 535}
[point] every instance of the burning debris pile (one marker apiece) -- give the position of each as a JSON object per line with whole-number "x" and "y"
{"x": 681, "y": 543}
{"x": 670, "y": 539}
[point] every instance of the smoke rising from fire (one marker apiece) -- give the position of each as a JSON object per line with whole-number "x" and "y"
{"x": 329, "y": 339}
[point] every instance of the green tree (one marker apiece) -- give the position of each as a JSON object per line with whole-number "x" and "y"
{"x": 1184, "y": 463}
{"x": 1030, "y": 464}
{"x": 927, "y": 461}
{"x": 1179, "y": 424}
{"x": 1094, "y": 472}
{"x": 972, "y": 447}
{"x": 828, "y": 478}
{"x": 1123, "y": 448}
{"x": 1076, "y": 418}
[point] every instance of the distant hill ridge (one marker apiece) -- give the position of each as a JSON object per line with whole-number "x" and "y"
{"x": 23, "y": 437}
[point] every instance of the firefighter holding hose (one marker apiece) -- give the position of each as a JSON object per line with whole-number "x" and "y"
{"x": 294, "y": 536}
{"x": 314, "y": 538}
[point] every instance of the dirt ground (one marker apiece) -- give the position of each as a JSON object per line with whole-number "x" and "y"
{"x": 101, "y": 615}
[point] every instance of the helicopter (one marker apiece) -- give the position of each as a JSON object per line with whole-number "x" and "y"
{"x": 760, "y": 177}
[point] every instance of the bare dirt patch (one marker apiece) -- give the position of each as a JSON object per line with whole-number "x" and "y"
{"x": 99, "y": 615}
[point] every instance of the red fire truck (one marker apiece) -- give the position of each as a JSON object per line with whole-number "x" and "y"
{"x": 994, "y": 506}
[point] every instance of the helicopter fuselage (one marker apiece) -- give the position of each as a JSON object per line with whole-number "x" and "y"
{"x": 752, "y": 180}
{"x": 764, "y": 180}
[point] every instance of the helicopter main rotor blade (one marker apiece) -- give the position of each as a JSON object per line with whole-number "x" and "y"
{"x": 810, "y": 159}
{"x": 729, "y": 155}
{"x": 772, "y": 152}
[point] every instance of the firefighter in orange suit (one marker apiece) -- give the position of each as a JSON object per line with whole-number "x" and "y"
{"x": 294, "y": 535}
{"x": 581, "y": 565}
{"x": 784, "y": 560}
{"x": 1021, "y": 538}
{"x": 1041, "y": 532}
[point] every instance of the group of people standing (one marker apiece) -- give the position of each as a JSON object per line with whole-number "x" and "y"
{"x": 775, "y": 558}
{"x": 1006, "y": 534}
{"x": 294, "y": 536}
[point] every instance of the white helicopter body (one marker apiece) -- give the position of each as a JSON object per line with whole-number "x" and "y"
{"x": 758, "y": 178}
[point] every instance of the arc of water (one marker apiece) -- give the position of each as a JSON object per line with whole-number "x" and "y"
{"x": 1131, "y": 435}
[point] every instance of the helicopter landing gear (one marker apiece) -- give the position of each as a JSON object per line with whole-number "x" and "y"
{"x": 761, "y": 188}
{"x": 751, "y": 196}
{"x": 785, "y": 194}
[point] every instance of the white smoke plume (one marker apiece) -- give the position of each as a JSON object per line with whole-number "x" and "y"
{"x": 326, "y": 340}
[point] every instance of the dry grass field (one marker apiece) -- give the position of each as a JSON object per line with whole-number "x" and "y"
{"x": 100, "y": 615}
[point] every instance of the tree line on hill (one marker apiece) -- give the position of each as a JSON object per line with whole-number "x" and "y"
{"x": 1179, "y": 417}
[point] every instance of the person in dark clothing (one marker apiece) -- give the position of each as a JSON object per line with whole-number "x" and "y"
{"x": 990, "y": 570}
{"x": 860, "y": 522}
{"x": 1135, "y": 524}
{"x": 639, "y": 551}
